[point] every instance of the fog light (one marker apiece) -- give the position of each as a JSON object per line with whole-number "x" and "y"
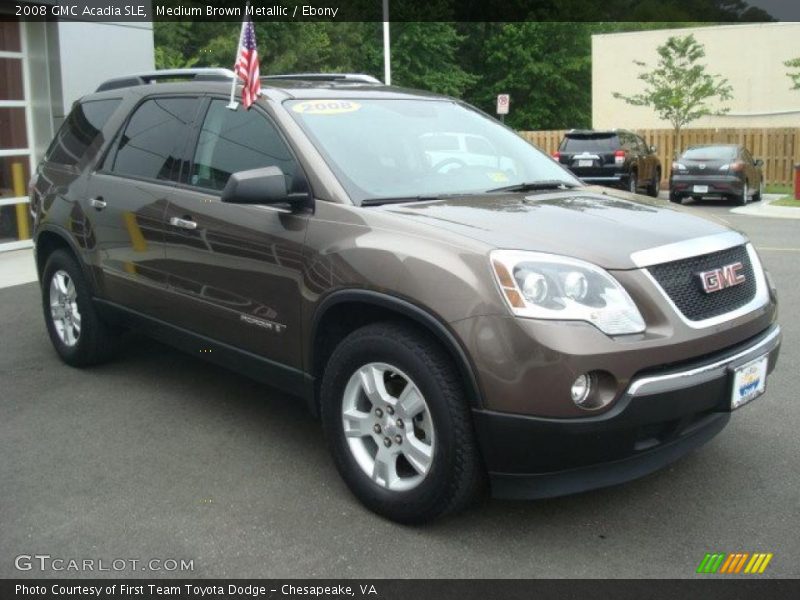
{"x": 581, "y": 389}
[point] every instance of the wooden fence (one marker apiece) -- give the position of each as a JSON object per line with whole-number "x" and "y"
{"x": 779, "y": 148}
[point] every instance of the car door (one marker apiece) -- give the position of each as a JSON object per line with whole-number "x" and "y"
{"x": 234, "y": 271}
{"x": 128, "y": 197}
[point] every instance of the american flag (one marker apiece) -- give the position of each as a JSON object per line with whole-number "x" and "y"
{"x": 246, "y": 67}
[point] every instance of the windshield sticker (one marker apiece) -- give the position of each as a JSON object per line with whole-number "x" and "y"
{"x": 498, "y": 176}
{"x": 326, "y": 107}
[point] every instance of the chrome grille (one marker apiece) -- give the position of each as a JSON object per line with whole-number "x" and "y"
{"x": 680, "y": 281}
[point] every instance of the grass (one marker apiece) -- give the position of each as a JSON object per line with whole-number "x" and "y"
{"x": 776, "y": 188}
{"x": 786, "y": 201}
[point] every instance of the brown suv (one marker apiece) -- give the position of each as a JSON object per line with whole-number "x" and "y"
{"x": 457, "y": 307}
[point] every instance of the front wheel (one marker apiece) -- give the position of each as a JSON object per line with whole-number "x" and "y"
{"x": 398, "y": 425}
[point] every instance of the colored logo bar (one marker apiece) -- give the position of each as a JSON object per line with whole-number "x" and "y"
{"x": 735, "y": 563}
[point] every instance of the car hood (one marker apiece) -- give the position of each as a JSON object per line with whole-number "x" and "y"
{"x": 601, "y": 226}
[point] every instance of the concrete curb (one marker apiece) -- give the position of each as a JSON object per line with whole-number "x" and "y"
{"x": 763, "y": 209}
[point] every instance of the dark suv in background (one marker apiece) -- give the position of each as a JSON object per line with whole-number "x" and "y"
{"x": 456, "y": 314}
{"x": 615, "y": 158}
{"x": 717, "y": 170}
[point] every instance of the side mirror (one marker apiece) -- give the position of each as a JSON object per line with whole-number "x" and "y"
{"x": 758, "y": 162}
{"x": 266, "y": 185}
{"x": 653, "y": 148}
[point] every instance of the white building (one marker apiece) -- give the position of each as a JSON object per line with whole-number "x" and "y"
{"x": 751, "y": 57}
{"x": 44, "y": 68}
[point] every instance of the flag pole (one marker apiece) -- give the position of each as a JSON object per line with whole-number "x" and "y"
{"x": 233, "y": 105}
{"x": 387, "y": 48}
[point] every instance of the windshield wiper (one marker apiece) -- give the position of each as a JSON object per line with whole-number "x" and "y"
{"x": 532, "y": 186}
{"x": 398, "y": 200}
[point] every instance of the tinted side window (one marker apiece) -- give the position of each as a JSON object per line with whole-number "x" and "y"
{"x": 239, "y": 140}
{"x": 153, "y": 141}
{"x": 628, "y": 142}
{"x": 82, "y": 129}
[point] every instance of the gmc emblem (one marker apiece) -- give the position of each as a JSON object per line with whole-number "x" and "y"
{"x": 724, "y": 277}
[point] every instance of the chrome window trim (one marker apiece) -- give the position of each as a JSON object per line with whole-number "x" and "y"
{"x": 687, "y": 249}
{"x": 656, "y": 384}
{"x": 761, "y": 297}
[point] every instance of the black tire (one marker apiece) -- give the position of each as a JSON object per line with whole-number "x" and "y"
{"x": 741, "y": 198}
{"x": 673, "y": 197}
{"x": 456, "y": 475}
{"x": 759, "y": 193}
{"x": 655, "y": 184}
{"x": 633, "y": 183}
{"x": 96, "y": 341}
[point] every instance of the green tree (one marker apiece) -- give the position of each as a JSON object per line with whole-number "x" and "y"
{"x": 795, "y": 77}
{"x": 425, "y": 55}
{"x": 679, "y": 89}
{"x": 282, "y": 46}
{"x": 545, "y": 67}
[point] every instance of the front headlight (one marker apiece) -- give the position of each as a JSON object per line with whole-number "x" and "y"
{"x": 548, "y": 286}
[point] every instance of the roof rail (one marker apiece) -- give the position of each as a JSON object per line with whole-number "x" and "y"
{"x": 153, "y": 76}
{"x": 330, "y": 77}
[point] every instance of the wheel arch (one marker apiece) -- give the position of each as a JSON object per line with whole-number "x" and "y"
{"x": 344, "y": 311}
{"x": 48, "y": 240}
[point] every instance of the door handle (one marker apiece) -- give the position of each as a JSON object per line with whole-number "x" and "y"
{"x": 98, "y": 203}
{"x": 182, "y": 223}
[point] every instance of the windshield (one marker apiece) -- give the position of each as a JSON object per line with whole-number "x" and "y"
{"x": 710, "y": 153}
{"x": 408, "y": 149}
{"x": 596, "y": 143}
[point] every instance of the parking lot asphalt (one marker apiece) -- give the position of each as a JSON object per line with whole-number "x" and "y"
{"x": 160, "y": 455}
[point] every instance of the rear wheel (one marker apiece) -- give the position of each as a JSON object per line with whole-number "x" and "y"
{"x": 397, "y": 424}
{"x": 633, "y": 183}
{"x": 741, "y": 199}
{"x": 75, "y": 329}
{"x": 655, "y": 184}
{"x": 673, "y": 197}
{"x": 759, "y": 193}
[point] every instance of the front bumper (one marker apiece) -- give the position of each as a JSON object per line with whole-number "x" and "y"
{"x": 718, "y": 185}
{"x": 663, "y": 415}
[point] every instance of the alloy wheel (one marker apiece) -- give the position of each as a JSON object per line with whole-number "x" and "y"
{"x": 388, "y": 426}
{"x": 64, "y": 308}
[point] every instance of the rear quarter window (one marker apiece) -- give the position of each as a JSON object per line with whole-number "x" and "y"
{"x": 606, "y": 143}
{"x": 82, "y": 130}
{"x": 154, "y": 139}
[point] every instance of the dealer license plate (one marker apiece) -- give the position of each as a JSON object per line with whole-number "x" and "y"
{"x": 585, "y": 163}
{"x": 749, "y": 382}
{"x": 700, "y": 189}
